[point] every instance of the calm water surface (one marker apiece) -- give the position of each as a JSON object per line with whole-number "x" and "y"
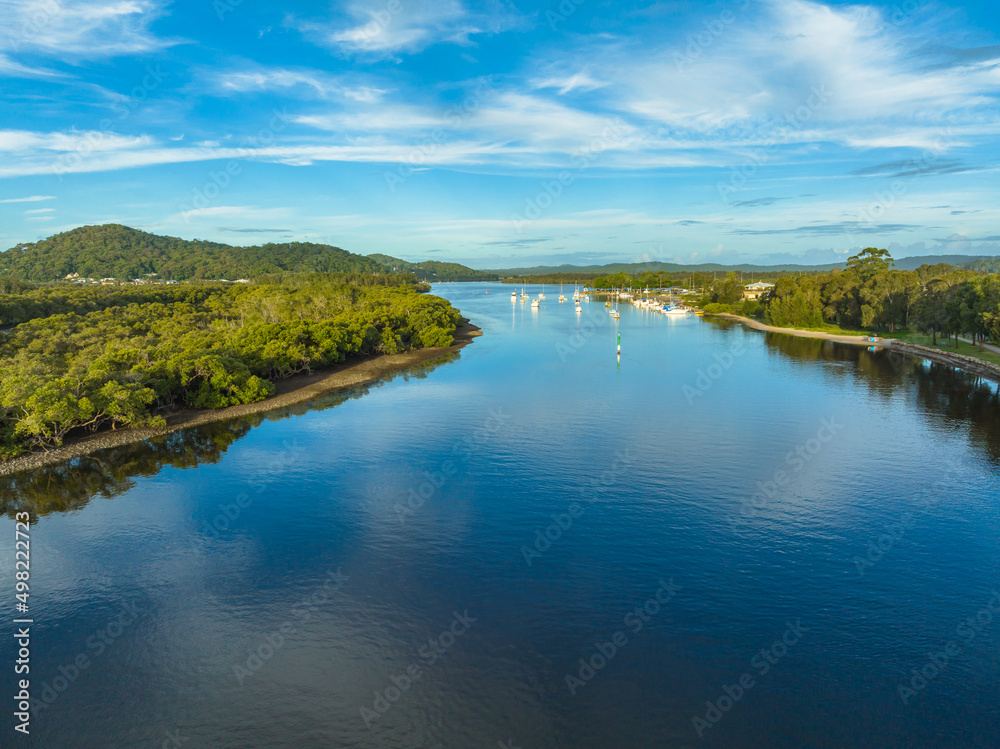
{"x": 816, "y": 521}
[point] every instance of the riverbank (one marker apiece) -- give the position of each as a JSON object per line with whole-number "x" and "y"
{"x": 290, "y": 391}
{"x": 968, "y": 363}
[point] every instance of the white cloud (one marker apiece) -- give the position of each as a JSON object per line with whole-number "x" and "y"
{"x": 312, "y": 83}
{"x": 761, "y": 69}
{"x": 79, "y": 28}
{"x": 235, "y": 212}
{"x": 14, "y": 69}
{"x": 29, "y": 199}
{"x": 82, "y": 142}
{"x": 39, "y": 210}
{"x": 385, "y": 29}
{"x": 581, "y": 81}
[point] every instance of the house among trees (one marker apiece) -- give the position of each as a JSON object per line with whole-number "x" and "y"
{"x": 755, "y": 290}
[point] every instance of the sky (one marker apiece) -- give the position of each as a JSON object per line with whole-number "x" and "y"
{"x": 502, "y": 134}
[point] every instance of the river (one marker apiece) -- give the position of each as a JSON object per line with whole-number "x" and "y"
{"x": 725, "y": 539}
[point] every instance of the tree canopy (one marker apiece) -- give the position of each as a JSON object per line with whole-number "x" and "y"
{"x": 90, "y": 357}
{"x": 115, "y": 251}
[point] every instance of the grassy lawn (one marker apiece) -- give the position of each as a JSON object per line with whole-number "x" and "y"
{"x": 911, "y": 336}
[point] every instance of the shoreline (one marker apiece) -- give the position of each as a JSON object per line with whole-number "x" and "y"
{"x": 960, "y": 361}
{"x": 290, "y": 391}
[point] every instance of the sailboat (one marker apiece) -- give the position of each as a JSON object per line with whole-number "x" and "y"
{"x": 673, "y": 309}
{"x": 562, "y": 297}
{"x": 542, "y": 294}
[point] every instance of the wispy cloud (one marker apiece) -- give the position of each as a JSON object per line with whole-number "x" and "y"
{"x": 29, "y": 199}
{"x": 313, "y": 83}
{"x": 834, "y": 229}
{"x": 757, "y": 202}
{"x": 912, "y": 168}
{"x": 88, "y": 29}
{"x": 385, "y": 29}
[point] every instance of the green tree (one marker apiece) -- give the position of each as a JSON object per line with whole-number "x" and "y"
{"x": 869, "y": 262}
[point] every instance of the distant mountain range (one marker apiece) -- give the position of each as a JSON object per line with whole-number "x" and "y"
{"x": 112, "y": 250}
{"x": 906, "y": 263}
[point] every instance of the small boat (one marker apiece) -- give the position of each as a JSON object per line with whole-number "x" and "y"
{"x": 614, "y": 314}
{"x": 579, "y": 309}
{"x": 513, "y": 296}
{"x": 535, "y": 304}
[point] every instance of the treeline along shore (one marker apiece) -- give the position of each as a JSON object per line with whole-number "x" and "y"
{"x": 78, "y": 360}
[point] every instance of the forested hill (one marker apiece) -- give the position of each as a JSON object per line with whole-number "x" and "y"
{"x": 115, "y": 251}
{"x": 435, "y": 270}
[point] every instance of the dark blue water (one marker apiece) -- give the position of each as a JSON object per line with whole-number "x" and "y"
{"x": 799, "y": 525}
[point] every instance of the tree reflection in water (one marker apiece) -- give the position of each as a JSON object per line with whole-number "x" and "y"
{"x": 70, "y": 485}
{"x": 953, "y": 398}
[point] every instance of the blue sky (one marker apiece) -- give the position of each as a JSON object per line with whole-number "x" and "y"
{"x": 501, "y": 134}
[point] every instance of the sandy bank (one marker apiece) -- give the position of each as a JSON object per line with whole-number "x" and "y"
{"x": 968, "y": 363}
{"x": 289, "y": 392}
